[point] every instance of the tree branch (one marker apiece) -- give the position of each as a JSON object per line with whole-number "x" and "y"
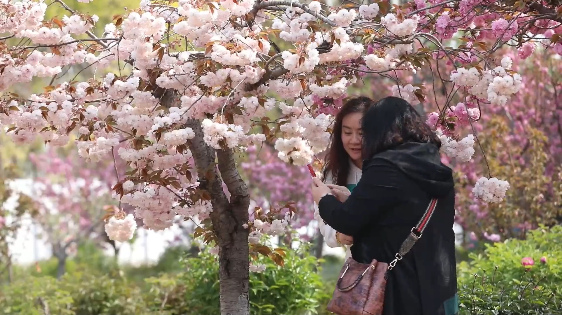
{"x": 43, "y": 305}
{"x": 430, "y": 7}
{"x": 541, "y": 9}
{"x": 231, "y": 177}
{"x": 269, "y": 75}
{"x": 82, "y": 235}
{"x": 99, "y": 40}
{"x": 204, "y": 157}
{"x": 304, "y": 7}
{"x": 89, "y": 33}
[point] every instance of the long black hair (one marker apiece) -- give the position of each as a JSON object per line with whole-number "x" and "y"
{"x": 391, "y": 122}
{"x": 337, "y": 159}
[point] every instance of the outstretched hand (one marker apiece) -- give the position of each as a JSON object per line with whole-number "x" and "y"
{"x": 319, "y": 189}
{"x": 339, "y": 192}
{"x": 344, "y": 239}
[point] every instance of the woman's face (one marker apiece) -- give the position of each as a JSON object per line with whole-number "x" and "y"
{"x": 351, "y": 136}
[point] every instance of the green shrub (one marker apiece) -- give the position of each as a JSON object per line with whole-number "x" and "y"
{"x": 74, "y": 294}
{"x": 103, "y": 295}
{"x": 168, "y": 263}
{"x": 293, "y": 289}
{"x": 498, "y": 283}
{"x": 35, "y": 296}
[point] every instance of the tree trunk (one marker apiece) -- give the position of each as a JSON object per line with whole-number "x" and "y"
{"x": 319, "y": 244}
{"x": 234, "y": 274}
{"x": 10, "y": 270}
{"x": 61, "y": 266}
{"x": 59, "y": 251}
{"x": 228, "y": 217}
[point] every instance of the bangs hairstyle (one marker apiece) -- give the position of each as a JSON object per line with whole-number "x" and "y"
{"x": 391, "y": 122}
{"x": 337, "y": 159}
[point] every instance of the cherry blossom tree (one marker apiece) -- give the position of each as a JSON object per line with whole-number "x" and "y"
{"x": 522, "y": 142}
{"x": 70, "y": 200}
{"x": 199, "y": 80}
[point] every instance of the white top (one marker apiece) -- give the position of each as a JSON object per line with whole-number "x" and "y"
{"x": 327, "y": 231}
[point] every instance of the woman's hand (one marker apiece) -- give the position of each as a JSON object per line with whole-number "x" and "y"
{"x": 344, "y": 239}
{"x": 319, "y": 189}
{"x": 339, "y": 192}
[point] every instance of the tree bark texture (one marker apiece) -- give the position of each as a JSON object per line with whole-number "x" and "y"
{"x": 319, "y": 244}
{"x": 60, "y": 253}
{"x": 227, "y": 217}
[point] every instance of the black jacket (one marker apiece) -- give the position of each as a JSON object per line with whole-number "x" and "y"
{"x": 391, "y": 197}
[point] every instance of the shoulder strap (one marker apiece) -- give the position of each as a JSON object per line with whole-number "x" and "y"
{"x": 415, "y": 234}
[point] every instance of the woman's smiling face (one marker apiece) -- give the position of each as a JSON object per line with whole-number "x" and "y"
{"x": 351, "y": 136}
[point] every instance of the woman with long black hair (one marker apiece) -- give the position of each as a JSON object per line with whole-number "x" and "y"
{"x": 402, "y": 172}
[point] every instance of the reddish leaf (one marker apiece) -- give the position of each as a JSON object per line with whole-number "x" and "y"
{"x": 58, "y": 22}
{"x": 280, "y": 251}
{"x": 277, "y": 259}
{"x": 48, "y": 88}
{"x": 262, "y": 249}
{"x": 71, "y": 127}
{"x": 198, "y": 231}
{"x": 303, "y": 84}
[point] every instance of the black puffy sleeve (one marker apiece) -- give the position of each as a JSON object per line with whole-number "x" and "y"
{"x": 378, "y": 189}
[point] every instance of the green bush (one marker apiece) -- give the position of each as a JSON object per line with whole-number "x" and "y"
{"x": 73, "y": 294}
{"x": 331, "y": 267}
{"x": 494, "y": 282}
{"x": 293, "y": 289}
{"x": 35, "y": 296}
{"x": 103, "y": 295}
{"x": 168, "y": 263}
{"x": 515, "y": 277}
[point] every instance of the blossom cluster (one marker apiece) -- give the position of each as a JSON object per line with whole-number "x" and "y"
{"x": 121, "y": 230}
{"x": 461, "y": 150}
{"x": 294, "y": 150}
{"x": 407, "y": 92}
{"x": 490, "y": 189}
{"x": 495, "y": 86}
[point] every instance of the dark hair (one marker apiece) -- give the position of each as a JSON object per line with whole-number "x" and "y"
{"x": 337, "y": 159}
{"x": 391, "y": 122}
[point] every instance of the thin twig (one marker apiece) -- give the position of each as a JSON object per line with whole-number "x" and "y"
{"x": 304, "y": 7}
{"x": 89, "y": 33}
{"x": 67, "y": 43}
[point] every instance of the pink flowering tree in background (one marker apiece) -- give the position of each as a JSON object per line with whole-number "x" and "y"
{"x": 202, "y": 80}
{"x": 273, "y": 183}
{"x": 520, "y": 140}
{"x": 71, "y": 199}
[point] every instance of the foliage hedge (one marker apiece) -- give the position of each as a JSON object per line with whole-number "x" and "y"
{"x": 515, "y": 277}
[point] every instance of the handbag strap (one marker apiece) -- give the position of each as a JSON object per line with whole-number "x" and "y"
{"x": 413, "y": 237}
{"x": 415, "y": 234}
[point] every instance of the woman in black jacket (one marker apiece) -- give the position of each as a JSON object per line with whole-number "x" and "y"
{"x": 402, "y": 172}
